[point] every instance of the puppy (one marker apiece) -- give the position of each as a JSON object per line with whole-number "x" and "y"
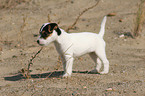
{"x": 70, "y": 45}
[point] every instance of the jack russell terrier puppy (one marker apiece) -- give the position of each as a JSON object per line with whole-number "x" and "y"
{"x": 70, "y": 45}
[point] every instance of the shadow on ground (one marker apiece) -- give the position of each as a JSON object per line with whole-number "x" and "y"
{"x": 56, "y": 74}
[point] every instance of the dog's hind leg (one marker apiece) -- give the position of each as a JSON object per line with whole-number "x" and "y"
{"x": 97, "y": 62}
{"x": 102, "y": 56}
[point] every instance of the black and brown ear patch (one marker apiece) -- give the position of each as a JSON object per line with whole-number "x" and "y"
{"x": 54, "y": 26}
{"x": 47, "y": 29}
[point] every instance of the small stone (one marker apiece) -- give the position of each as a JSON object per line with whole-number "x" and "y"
{"x": 40, "y": 86}
{"x": 125, "y": 91}
{"x": 121, "y": 36}
{"x": 14, "y": 56}
{"x": 72, "y": 1}
{"x": 35, "y": 35}
{"x": 111, "y": 14}
{"x": 115, "y": 38}
{"x": 125, "y": 40}
{"x": 121, "y": 20}
{"x": 109, "y": 89}
{"x": 0, "y": 49}
{"x": 18, "y": 45}
{"x": 84, "y": 87}
{"x": 134, "y": 91}
{"x": 83, "y": 19}
{"x": 74, "y": 93}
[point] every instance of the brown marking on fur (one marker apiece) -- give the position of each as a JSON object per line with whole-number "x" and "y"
{"x": 47, "y": 36}
{"x": 55, "y": 27}
{"x": 49, "y": 27}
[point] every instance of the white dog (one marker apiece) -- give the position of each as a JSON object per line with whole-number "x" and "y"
{"x": 70, "y": 45}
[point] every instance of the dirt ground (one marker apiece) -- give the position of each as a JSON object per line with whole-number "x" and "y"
{"x": 20, "y": 21}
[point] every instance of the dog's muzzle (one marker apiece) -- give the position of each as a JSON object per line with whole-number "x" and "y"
{"x": 38, "y": 41}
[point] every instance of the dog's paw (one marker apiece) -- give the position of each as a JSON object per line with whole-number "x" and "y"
{"x": 66, "y": 75}
{"x": 103, "y": 72}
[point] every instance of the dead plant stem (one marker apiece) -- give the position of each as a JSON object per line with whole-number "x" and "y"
{"x": 31, "y": 62}
{"x": 72, "y": 26}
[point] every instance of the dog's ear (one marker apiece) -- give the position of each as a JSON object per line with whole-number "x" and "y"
{"x": 54, "y": 26}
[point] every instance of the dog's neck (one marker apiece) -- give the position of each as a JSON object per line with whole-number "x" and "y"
{"x": 60, "y": 39}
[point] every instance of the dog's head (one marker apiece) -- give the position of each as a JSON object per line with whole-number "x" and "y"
{"x": 48, "y": 33}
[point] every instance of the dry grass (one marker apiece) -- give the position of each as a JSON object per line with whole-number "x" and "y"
{"x": 31, "y": 61}
{"x": 8, "y": 4}
{"x": 21, "y": 33}
{"x": 140, "y": 18}
{"x": 0, "y": 43}
{"x": 48, "y": 18}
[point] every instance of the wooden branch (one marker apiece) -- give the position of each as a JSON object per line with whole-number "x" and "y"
{"x": 71, "y": 27}
{"x": 30, "y": 62}
{"x": 140, "y": 18}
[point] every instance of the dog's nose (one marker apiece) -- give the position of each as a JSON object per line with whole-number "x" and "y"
{"x": 38, "y": 41}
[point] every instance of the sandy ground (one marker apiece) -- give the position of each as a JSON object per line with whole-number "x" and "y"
{"x": 19, "y": 29}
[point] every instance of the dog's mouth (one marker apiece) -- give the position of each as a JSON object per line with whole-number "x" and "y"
{"x": 38, "y": 41}
{"x": 41, "y": 44}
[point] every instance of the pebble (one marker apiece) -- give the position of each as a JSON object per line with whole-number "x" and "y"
{"x": 32, "y": 80}
{"x": 109, "y": 89}
{"x": 0, "y": 49}
{"x": 125, "y": 39}
{"x": 40, "y": 86}
{"x": 134, "y": 91}
{"x": 14, "y": 56}
{"x": 121, "y": 20}
{"x": 122, "y": 35}
{"x": 115, "y": 38}
{"x": 84, "y": 87}
{"x": 111, "y": 14}
{"x": 74, "y": 93}
{"x": 122, "y": 71}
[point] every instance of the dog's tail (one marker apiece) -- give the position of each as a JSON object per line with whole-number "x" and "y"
{"x": 102, "y": 29}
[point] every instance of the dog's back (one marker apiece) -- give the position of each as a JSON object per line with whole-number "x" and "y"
{"x": 86, "y": 42}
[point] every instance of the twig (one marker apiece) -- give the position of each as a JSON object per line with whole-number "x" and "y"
{"x": 140, "y": 18}
{"x": 13, "y": 3}
{"x": 48, "y": 18}
{"x": 70, "y": 27}
{"x": 47, "y": 76}
{"x": 30, "y": 62}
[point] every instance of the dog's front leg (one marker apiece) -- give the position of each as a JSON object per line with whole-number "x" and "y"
{"x": 68, "y": 65}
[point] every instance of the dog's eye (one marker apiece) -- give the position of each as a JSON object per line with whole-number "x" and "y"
{"x": 44, "y": 34}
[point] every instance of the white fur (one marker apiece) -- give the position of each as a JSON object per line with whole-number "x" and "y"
{"x": 70, "y": 45}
